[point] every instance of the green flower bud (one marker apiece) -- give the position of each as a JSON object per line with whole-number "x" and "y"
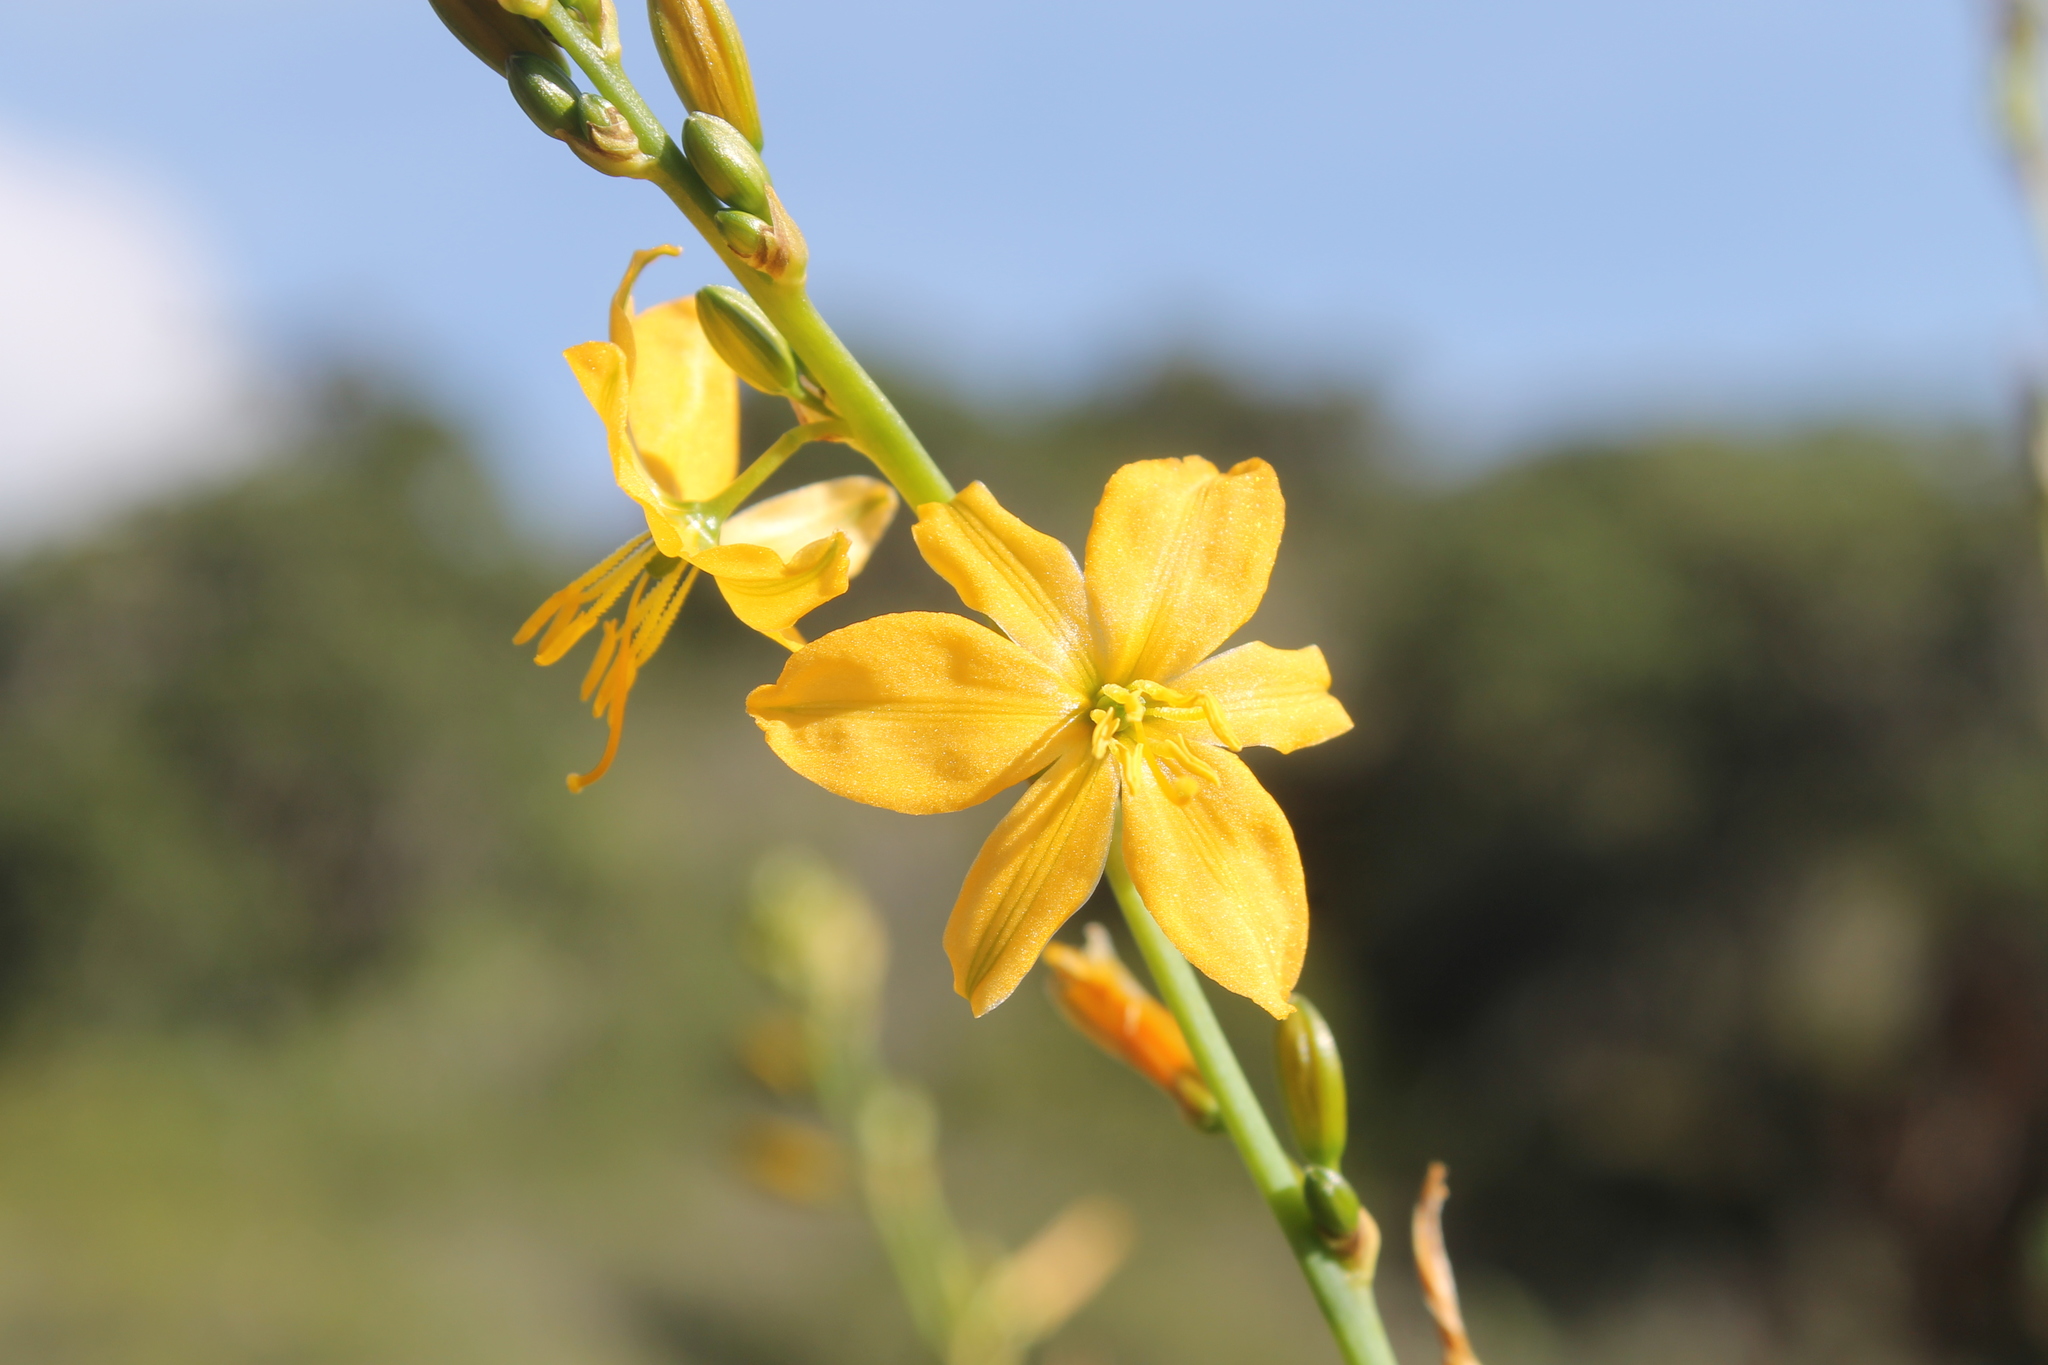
{"x": 492, "y": 34}
{"x": 1312, "y": 1080}
{"x": 547, "y": 95}
{"x": 747, "y": 235}
{"x": 700, "y": 45}
{"x": 1332, "y": 1205}
{"x": 727, "y": 162}
{"x": 744, "y": 339}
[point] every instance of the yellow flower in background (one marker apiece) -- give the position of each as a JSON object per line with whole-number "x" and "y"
{"x": 671, "y": 414}
{"x": 1104, "y": 687}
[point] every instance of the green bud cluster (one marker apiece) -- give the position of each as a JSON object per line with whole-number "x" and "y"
{"x": 755, "y": 226}
{"x": 1312, "y": 1082}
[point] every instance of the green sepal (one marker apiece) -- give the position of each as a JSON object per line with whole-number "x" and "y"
{"x": 1312, "y": 1081}
{"x": 744, "y": 339}
{"x": 728, "y": 162}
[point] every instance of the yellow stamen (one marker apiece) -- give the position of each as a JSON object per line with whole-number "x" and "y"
{"x": 1135, "y": 720}
{"x": 629, "y": 641}
{"x": 570, "y": 614}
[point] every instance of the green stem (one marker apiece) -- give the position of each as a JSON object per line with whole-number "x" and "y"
{"x": 1346, "y": 1301}
{"x": 875, "y": 428}
{"x": 770, "y": 460}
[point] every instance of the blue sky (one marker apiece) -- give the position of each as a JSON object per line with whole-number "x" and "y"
{"x": 1514, "y": 215}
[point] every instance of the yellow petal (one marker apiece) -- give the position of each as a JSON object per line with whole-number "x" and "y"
{"x": 1022, "y": 579}
{"x": 858, "y": 506}
{"x": 1178, "y": 559}
{"x": 920, "y": 712}
{"x": 1221, "y": 874}
{"x": 620, "y": 319}
{"x": 1276, "y": 697}
{"x": 600, "y": 368}
{"x": 1034, "y": 871}
{"x": 772, "y": 594}
{"x": 685, "y": 404}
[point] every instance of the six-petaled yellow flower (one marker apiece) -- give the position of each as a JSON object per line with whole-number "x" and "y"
{"x": 1104, "y": 687}
{"x": 670, "y": 408}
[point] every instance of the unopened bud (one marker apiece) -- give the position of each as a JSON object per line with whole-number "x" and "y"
{"x": 1342, "y": 1223}
{"x": 747, "y": 235}
{"x": 547, "y": 95}
{"x": 492, "y": 34}
{"x": 744, "y": 339}
{"x": 1332, "y": 1203}
{"x": 700, "y": 45}
{"x": 1312, "y": 1080}
{"x": 728, "y": 163}
{"x": 1100, "y": 998}
{"x": 775, "y": 248}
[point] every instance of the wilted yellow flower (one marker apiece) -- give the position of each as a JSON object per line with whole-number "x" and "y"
{"x": 1433, "y": 1268}
{"x": 1104, "y": 688}
{"x": 671, "y": 413}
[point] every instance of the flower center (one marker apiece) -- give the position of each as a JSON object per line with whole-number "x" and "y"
{"x": 1146, "y": 723}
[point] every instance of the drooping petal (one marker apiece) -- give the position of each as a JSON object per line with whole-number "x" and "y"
{"x": 858, "y": 506}
{"x": 620, "y": 319}
{"x": 1178, "y": 558}
{"x": 1221, "y": 874}
{"x": 920, "y": 712}
{"x": 685, "y": 404}
{"x": 772, "y": 594}
{"x": 1276, "y": 697}
{"x": 601, "y": 369}
{"x": 1035, "y": 870}
{"x": 1020, "y": 578}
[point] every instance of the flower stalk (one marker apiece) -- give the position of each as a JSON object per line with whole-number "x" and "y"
{"x": 1345, "y": 1296}
{"x": 875, "y": 428}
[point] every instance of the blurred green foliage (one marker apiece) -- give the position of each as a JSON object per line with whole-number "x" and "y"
{"x": 1682, "y": 886}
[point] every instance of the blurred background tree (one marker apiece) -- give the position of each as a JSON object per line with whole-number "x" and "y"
{"x": 1683, "y": 887}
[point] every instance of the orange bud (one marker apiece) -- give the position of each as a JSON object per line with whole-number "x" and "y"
{"x": 1101, "y": 999}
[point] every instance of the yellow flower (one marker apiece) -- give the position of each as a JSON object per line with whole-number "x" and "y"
{"x": 671, "y": 414}
{"x": 1104, "y": 688}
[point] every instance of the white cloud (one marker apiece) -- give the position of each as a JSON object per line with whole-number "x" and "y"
{"x": 121, "y": 379}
